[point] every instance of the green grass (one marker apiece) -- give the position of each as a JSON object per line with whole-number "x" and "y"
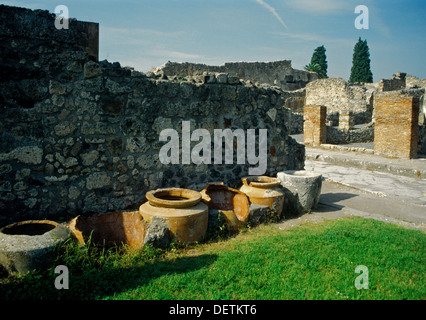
{"x": 312, "y": 261}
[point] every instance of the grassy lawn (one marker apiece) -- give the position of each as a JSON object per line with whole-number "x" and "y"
{"x": 312, "y": 261}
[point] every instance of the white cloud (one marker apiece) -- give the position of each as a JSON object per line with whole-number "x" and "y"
{"x": 315, "y": 38}
{"x": 174, "y": 55}
{"x": 273, "y": 11}
{"x": 320, "y": 6}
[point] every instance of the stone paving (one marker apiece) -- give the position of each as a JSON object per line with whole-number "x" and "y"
{"x": 406, "y": 189}
{"x": 347, "y": 190}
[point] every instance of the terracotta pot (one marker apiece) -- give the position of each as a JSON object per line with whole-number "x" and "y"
{"x": 29, "y": 245}
{"x": 186, "y": 215}
{"x": 113, "y": 228}
{"x": 233, "y": 204}
{"x": 265, "y": 191}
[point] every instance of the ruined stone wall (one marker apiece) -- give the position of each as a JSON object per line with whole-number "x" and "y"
{"x": 336, "y": 135}
{"x": 397, "y": 82}
{"x": 80, "y": 136}
{"x": 278, "y": 73}
{"x": 337, "y": 95}
{"x": 412, "y": 81}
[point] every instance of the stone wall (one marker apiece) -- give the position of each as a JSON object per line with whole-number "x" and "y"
{"x": 80, "y": 136}
{"x": 21, "y": 24}
{"x": 278, "y": 73}
{"x": 336, "y": 135}
{"x": 412, "y": 81}
{"x": 337, "y": 95}
{"x": 397, "y": 82}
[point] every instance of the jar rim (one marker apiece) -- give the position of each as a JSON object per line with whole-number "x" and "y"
{"x": 173, "y": 197}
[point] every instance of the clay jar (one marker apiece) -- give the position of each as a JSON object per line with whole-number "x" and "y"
{"x": 233, "y": 204}
{"x": 265, "y": 191}
{"x": 182, "y": 209}
{"x": 110, "y": 229}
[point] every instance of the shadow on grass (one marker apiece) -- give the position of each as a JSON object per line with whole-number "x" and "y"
{"x": 99, "y": 283}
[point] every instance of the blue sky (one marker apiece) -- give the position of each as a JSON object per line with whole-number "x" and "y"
{"x": 147, "y": 33}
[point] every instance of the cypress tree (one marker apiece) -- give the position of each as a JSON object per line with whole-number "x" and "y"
{"x": 319, "y": 58}
{"x": 360, "y": 71}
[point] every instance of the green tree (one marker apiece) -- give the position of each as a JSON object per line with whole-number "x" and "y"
{"x": 361, "y": 71}
{"x": 319, "y": 58}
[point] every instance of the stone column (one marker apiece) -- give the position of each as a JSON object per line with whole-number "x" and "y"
{"x": 396, "y": 128}
{"x": 346, "y": 120}
{"x": 314, "y": 128}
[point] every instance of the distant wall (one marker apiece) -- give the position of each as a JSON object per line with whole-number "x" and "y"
{"x": 336, "y": 135}
{"x": 278, "y": 73}
{"x": 337, "y": 95}
{"x": 397, "y": 82}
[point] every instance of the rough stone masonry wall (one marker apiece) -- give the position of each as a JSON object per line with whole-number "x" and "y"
{"x": 278, "y": 73}
{"x": 337, "y": 95}
{"x": 78, "y": 136}
{"x": 336, "y": 135}
{"x": 397, "y": 82}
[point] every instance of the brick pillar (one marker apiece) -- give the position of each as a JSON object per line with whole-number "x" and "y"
{"x": 396, "y": 128}
{"x": 346, "y": 120}
{"x": 314, "y": 129}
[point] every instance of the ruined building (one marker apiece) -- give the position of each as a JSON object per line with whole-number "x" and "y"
{"x": 80, "y": 136}
{"x": 389, "y": 113}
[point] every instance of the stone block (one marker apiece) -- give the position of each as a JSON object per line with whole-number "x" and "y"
{"x": 158, "y": 234}
{"x": 92, "y": 69}
{"x": 222, "y": 78}
{"x": 257, "y": 214}
{"x": 65, "y": 129}
{"x": 27, "y": 155}
{"x": 98, "y": 180}
{"x": 233, "y": 80}
{"x": 56, "y": 87}
{"x": 90, "y": 157}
